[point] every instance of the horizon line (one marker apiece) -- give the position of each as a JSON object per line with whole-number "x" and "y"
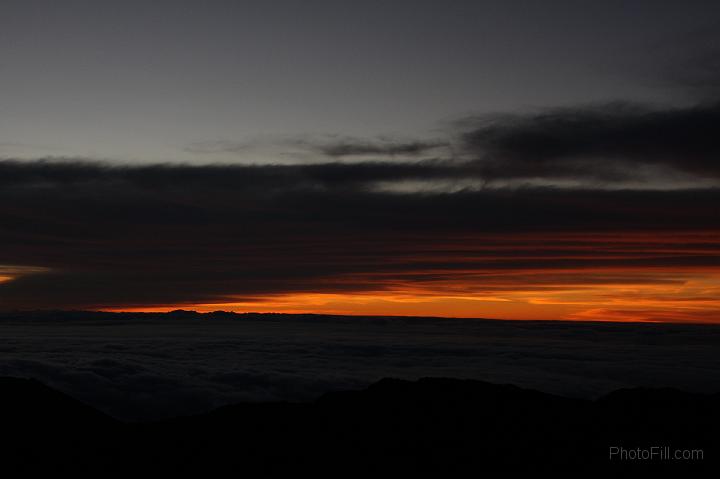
{"x": 329, "y": 315}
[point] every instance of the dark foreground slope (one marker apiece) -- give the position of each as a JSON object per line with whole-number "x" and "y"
{"x": 444, "y": 426}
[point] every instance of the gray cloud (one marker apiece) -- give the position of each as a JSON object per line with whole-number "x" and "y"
{"x": 609, "y": 143}
{"x": 329, "y": 146}
{"x": 219, "y": 146}
{"x": 355, "y": 147}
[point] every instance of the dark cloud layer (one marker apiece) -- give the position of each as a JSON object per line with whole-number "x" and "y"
{"x": 112, "y": 236}
{"x": 386, "y": 148}
{"x": 607, "y": 142}
{"x": 83, "y": 234}
{"x": 615, "y": 144}
{"x": 332, "y": 147}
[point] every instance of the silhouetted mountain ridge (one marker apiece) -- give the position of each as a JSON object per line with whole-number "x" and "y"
{"x": 59, "y": 315}
{"x": 73, "y": 315}
{"x": 439, "y": 425}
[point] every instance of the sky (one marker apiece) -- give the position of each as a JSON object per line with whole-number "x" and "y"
{"x": 505, "y": 159}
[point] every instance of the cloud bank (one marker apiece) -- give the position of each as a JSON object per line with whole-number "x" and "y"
{"x": 110, "y": 236}
{"x": 609, "y": 143}
{"x": 621, "y": 197}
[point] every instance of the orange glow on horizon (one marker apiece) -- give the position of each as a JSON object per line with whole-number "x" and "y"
{"x": 628, "y": 276}
{"x": 689, "y": 296}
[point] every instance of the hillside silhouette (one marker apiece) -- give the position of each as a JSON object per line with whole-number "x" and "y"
{"x": 435, "y": 425}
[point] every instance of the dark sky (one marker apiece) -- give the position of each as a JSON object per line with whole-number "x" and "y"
{"x": 528, "y": 160}
{"x": 241, "y": 81}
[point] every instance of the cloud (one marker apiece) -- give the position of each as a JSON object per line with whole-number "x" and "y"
{"x": 88, "y": 235}
{"x": 612, "y": 145}
{"x": 531, "y": 201}
{"x": 355, "y": 147}
{"x": 328, "y": 146}
{"x": 607, "y": 143}
{"x": 219, "y": 146}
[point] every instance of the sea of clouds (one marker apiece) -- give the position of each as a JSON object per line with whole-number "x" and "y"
{"x": 149, "y": 368}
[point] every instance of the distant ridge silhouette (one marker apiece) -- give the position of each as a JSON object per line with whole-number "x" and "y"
{"x": 67, "y": 315}
{"x": 433, "y": 425}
